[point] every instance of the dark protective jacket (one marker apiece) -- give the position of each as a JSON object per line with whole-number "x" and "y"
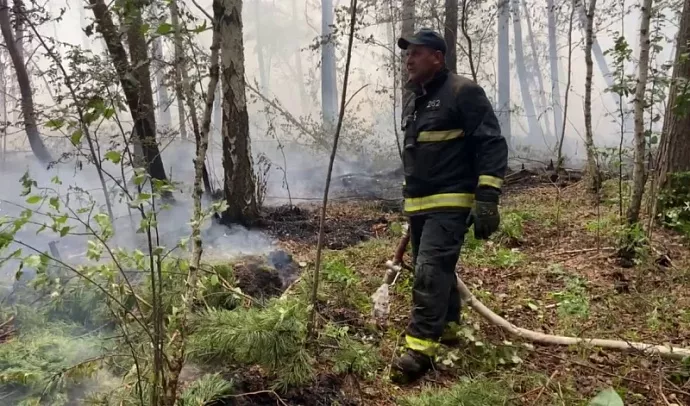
{"x": 453, "y": 145}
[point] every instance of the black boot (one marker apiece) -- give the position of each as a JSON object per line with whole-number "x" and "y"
{"x": 410, "y": 366}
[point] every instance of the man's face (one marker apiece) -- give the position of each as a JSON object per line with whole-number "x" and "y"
{"x": 422, "y": 63}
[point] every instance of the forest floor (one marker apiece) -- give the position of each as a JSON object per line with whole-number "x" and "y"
{"x": 552, "y": 268}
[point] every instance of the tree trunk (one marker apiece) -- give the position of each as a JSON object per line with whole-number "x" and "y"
{"x": 674, "y": 154}
{"x": 136, "y": 83}
{"x": 261, "y": 58}
{"x": 180, "y": 63}
{"x": 553, "y": 60}
{"x": 408, "y": 17}
{"x": 535, "y": 135}
{"x": 594, "y": 178}
{"x": 466, "y": 34}
{"x": 639, "y": 173}
{"x": 329, "y": 88}
{"x": 239, "y": 182}
{"x": 304, "y": 99}
{"x": 158, "y": 64}
{"x": 536, "y": 72}
{"x": 27, "y": 102}
{"x": 451, "y": 34}
{"x": 161, "y": 89}
{"x": 503, "y": 110}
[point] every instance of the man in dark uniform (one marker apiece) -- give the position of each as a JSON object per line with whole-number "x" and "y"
{"x": 455, "y": 160}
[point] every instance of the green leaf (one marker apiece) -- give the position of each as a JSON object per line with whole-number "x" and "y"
{"x": 54, "y": 202}
{"x": 34, "y": 199}
{"x": 33, "y": 261}
{"x": 108, "y": 113}
{"x": 214, "y": 280}
{"x": 113, "y": 156}
{"x": 64, "y": 231}
{"x": 76, "y": 137}
{"x": 55, "y": 180}
{"x": 200, "y": 28}
{"x": 55, "y": 123}
{"x": 164, "y": 29}
{"x": 607, "y": 397}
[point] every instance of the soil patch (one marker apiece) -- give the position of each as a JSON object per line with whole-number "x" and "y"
{"x": 325, "y": 391}
{"x": 345, "y": 225}
{"x": 256, "y": 278}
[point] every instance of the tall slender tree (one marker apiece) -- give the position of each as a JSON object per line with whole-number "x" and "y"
{"x": 135, "y": 80}
{"x": 503, "y": 110}
{"x": 329, "y": 88}
{"x": 674, "y": 154}
{"x": 451, "y": 34}
{"x": 408, "y": 17}
{"x": 534, "y": 135}
{"x": 240, "y": 182}
{"x": 15, "y": 48}
{"x": 180, "y": 66}
{"x": 553, "y": 61}
{"x": 592, "y": 167}
{"x": 639, "y": 172}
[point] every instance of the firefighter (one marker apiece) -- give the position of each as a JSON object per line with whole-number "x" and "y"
{"x": 454, "y": 159}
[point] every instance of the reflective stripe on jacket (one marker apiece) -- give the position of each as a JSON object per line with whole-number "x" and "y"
{"x": 453, "y": 144}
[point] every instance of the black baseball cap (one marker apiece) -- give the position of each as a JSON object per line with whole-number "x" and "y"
{"x": 425, "y": 37}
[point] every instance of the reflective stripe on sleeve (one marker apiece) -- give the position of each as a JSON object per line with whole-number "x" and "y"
{"x": 493, "y": 181}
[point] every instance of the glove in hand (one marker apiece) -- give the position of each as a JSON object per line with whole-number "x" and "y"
{"x": 485, "y": 214}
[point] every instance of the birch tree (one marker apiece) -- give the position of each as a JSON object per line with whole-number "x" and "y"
{"x": 639, "y": 173}
{"x": 15, "y": 50}
{"x": 533, "y": 125}
{"x": 592, "y": 169}
{"x": 158, "y": 64}
{"x": 239, "y": 182}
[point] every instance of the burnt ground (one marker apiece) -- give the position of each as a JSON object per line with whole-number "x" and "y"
{"x": 325, "y": 391}
{"x": 346, "y": 224}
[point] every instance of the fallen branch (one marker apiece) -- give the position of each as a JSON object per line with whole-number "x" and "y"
{"x": 261, "y": 392}
{"x": 468, "y": 298}
{"x": 580, "y": 251}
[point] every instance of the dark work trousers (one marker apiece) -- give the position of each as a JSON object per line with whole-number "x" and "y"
{"x": 436, "y": 241}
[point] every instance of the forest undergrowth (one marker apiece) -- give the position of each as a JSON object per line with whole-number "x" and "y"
{"x": 553, "y": 268}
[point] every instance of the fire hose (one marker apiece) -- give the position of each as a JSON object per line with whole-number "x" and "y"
{"x": 394, "y": 268}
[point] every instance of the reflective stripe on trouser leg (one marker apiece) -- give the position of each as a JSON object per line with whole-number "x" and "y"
{"x": 439, "y": 248}
{"x": 421, "y": 345}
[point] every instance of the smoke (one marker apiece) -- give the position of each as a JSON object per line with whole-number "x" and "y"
{"x": 80, "y": 187}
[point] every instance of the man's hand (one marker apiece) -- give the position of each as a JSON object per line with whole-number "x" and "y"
{"x": 485, "y": 214}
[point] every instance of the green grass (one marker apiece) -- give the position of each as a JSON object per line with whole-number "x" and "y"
{"x": 477, "y": 392}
